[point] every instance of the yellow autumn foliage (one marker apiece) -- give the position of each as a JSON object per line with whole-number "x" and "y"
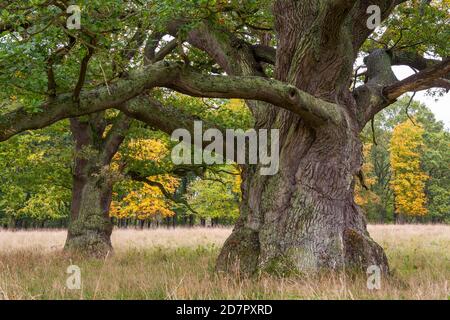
{"x": 235, "y": 105}
{"x": 147, "y": 149}
{"x": 147, "y": 201}
{"x": 408, "y": 180}
{"x": 363, "y": 196}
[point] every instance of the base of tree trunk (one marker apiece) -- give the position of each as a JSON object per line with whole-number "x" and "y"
{"x": 357, "y": 251}
{"x": 90, "y": 228}
{"x": 93, "y": 243}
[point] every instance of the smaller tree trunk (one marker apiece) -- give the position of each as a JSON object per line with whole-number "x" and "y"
{"x": 90, "y": 226}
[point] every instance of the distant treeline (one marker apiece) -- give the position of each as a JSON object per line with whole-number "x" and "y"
{"x": 124, "y": 223}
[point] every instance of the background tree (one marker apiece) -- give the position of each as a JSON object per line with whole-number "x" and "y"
{"x": 408, "y": 179}
{"x": 143, "y": 200}
{"x": 216, "y": 196}
{"x": 35, "y": 182}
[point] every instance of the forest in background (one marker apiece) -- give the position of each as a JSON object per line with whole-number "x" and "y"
{"x": 405, "y": 176}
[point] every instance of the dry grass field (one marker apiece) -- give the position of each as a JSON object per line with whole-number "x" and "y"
{"x": 179, "y": 264}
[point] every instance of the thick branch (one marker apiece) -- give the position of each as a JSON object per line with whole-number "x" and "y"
{"x": 171, "y": 75}
{"x": 232, "y": 54}
{"x": 115, "y": 137}
{"x": 265, "y": 54}
{"x": 55, "y": 58}
{"x": 420, "y": 81}
{"x": 383, "y": 88}
{"x": 167, "y": 118}
{"x": 151, "y": 46}
{"x": 160, "y": 117}
{"x": 90, "y": 101}
{"x": 164, "y": 51}
{"x": 83, "y": 71}
{"x": 418, "y": 62}
{"x": 369, "y": 97}
{"x": 359, "y": 15}
{"x": 411, "y": 59}
{"x": 257, "y": 88}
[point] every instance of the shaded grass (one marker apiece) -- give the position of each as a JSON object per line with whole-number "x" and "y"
{"x": 418, "y": 255}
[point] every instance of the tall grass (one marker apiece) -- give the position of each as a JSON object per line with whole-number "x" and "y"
{"x": 179, "y": 264}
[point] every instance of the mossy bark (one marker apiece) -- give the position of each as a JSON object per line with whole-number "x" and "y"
{"x": 304, "y": 219}
{"x": 90, "y": 226}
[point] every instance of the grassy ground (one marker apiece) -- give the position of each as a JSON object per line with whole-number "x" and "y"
{"x": 178, "y": 264}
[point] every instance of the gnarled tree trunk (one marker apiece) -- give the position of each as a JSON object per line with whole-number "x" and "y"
{"x": 304, "y": 218}
{"x": 90, "y": 226}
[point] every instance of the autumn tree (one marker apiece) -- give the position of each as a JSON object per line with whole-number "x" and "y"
{"x": 292, "y": 61}
{"x": 148, "y": 197}
{"x": 408, "y": 182}
{"x": 144, "y": 202}
{"x": 436, "y": 161}
{"x": 98, "y": 137}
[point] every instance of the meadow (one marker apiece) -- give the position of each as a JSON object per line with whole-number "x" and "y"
{"x": 179, "y": 264}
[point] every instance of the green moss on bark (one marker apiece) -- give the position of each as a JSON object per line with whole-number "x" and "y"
{"x": 90, "y": 232}
{"x": 241, "y": 254}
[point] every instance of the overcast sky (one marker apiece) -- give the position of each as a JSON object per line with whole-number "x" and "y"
{"x": 440, "y": 108}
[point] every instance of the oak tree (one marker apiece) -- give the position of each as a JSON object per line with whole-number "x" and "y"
{"x": 291, "y": 61}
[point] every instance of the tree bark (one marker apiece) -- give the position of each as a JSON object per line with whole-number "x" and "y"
{"x": 304, "y": 218}
{"x": 90, "y": 226}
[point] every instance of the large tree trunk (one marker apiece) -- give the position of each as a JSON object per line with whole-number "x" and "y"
{"x": 304, "y": 218}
